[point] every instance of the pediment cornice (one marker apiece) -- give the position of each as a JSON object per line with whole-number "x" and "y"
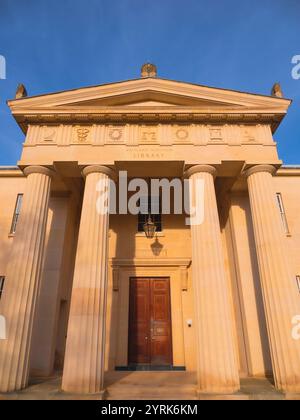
{"x": 272, "y": 119}
{"x": 169, "y": 101}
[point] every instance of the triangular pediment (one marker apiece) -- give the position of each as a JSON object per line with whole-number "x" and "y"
{"x": 150, "y": 98}
{"x": 149, "y": 93}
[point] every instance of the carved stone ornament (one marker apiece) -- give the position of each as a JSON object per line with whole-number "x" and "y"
{"x": 216, "y": 134}
{"x": 49, "y": 134}
{"x": 277, "y": 91}
{"x": 115, "y": 134}
{"x": 82, "y": 134}
{"x": 182, "y": 134}
{"x": 148, "y": 70}
{"x": 248, "y": 134}
{"x": 21, "y": 91}
{"x": 148, "y": 134}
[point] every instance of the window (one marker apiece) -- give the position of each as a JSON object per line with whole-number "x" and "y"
{"x": 298, "y": 282}
{"x": 16, "y": 214}
{"x": 146, "y": 210}
{"x": 2, "y": 278}
{"x": 282, "y": 213}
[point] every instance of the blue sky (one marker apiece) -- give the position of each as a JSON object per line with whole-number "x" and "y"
{"x": 53, "y": 45}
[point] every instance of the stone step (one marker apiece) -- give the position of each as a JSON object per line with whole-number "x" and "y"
{"x": 151, "y": 397}
{"x": 156, "y": 387}
{"x": 149, "y": 392}
{"x": 267, "y": 397}
{"x": 185, "y": 392}
{"x": 135, "y": 395}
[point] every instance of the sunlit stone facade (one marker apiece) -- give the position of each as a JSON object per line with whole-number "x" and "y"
{"x": 77, "y": 284}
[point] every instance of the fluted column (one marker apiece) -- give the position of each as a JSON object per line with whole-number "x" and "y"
{"x": 18, "y": 303}
{"x": 84, "y": 358}
{"x": 281, "y": 297}
{"x": 217, "y": 362}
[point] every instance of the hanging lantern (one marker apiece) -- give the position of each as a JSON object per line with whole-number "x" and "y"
{"x": 149, "y": 228}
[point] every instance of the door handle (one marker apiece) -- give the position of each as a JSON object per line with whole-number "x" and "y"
{"x": 146, "y": 338}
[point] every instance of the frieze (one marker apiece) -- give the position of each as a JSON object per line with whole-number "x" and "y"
{"x": 268, "y": 119}
{"x": 162, "y": 135}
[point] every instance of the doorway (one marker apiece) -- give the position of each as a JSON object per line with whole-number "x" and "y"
{"x": 149, "y": 335}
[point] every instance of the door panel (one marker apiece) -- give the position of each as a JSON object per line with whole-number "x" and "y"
{"x": 160, "y": 325}
{"x": 139, "y": 314}
{"x": 150, "y": 340}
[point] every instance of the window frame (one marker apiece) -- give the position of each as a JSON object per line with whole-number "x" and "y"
{"x": 16, "y": 215}
{"x": 280, "y": 205}
{"x": 298, "y": 281}
{"x": 2, "y": 281}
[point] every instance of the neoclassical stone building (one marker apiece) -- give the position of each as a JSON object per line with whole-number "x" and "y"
{"x": 84, "y": 292}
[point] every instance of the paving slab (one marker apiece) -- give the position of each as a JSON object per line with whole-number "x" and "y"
{"x": 149, "y": 386}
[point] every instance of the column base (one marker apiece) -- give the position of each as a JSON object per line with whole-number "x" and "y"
{"x": 222, "y": 393}
{"x": 221, "y": 397}
{"x": 293, "y": 389}
{"x": 99, "y": 396}
{"x": 292, "y": 397}
{"x": 12, "y": 389}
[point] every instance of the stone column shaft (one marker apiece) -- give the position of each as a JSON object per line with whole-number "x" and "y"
{"x": 84, "y": 358}
{"x": 281, "y": 297}
{"x": 23, "y": 277}
{"x": 216, "y": 354}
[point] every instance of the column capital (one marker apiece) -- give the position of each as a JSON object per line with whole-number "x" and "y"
{"x": 260, "y": 168}
{"x": 92, "y": 169}
{"x": 200, "y": 168}
{"x": 36, "y": 169}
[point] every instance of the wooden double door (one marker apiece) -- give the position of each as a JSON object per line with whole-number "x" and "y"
{"x": 150, "y": 333}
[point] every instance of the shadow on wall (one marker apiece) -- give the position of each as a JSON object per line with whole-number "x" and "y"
{"x": 259, "y": 297}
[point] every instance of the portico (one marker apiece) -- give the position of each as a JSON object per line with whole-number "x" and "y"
{"x": 200, "y": 310}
